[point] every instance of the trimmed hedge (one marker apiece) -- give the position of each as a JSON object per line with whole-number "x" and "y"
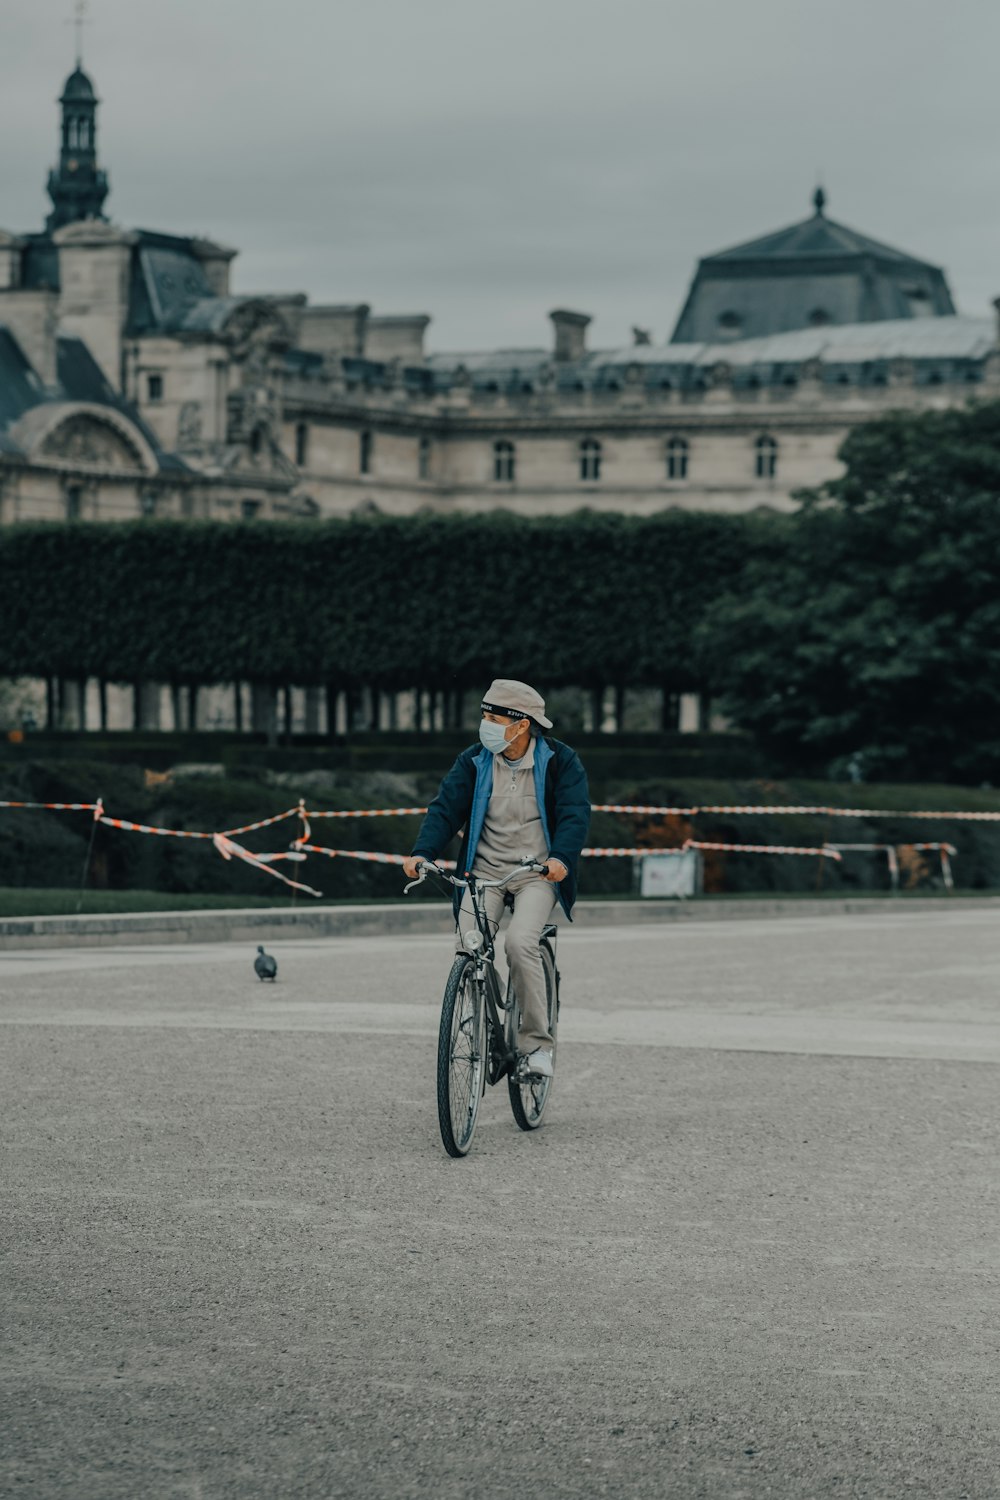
{"x": 584, "y": 600}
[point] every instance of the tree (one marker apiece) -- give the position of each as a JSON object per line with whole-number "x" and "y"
{"x": 867, "y": 627}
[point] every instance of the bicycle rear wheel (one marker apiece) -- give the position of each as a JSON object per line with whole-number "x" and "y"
{"x": 529, "y": 1096}
{"x": 461, "y": 1062}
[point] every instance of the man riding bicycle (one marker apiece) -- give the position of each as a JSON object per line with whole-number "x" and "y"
{"x": 518, "y": 795}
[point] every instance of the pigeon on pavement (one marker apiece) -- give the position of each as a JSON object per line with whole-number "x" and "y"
{"x": 265, "y": 966}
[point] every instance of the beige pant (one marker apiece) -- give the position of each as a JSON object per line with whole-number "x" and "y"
{"x": 534, "y": 900}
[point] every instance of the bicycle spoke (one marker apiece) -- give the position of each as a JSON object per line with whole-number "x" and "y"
{"x": 465, "y": 1064}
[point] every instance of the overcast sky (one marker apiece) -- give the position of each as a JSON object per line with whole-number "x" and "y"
{"x": 487, "y": 160}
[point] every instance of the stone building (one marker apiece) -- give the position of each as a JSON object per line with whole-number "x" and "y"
{"x": 134, "y": 382}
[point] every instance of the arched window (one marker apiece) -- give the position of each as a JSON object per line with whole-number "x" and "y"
{"x": 302, "y": 444}
{"x": 365, "y": 453}
{"x": 504, "y": 457}
{"x": 83, "y": 135}
{"x": 730, "y": 324}
{"x": 677, "y": 458}
{"x": 767, "y": 457}
{"x": 424, "y": 458}
{"x": 590, "y": 459}
{"x": 71, "y": 133}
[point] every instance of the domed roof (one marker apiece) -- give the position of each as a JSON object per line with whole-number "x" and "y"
{"x": 78, "y": 86}
{"x": 813, "y": 273}
{"x": 816, "y": 236}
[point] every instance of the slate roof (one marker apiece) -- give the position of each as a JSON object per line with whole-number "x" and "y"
{"x": 79, "y": 378}
{"x": 956, "y": 337}
{"x": 167, "y": 281}
{"x": 507, "y": 370}
{"x": 860, "y": 353}
{"x": 20, "y": 387}
{"x": 818, "y": 236}
{"x": 815, "y": 271}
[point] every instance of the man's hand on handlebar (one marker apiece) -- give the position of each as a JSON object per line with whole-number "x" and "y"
{"x": 412, "y": 863}
{"x": 556, "y": 870}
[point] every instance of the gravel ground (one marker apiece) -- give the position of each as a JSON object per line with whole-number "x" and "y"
{"x": 753, "y": 1252}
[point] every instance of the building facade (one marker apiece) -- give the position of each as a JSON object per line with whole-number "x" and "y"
{"x": 134, "y": 382}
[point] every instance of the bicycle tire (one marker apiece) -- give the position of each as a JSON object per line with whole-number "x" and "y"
{"x": 461, "y": 1061}
{"x": 528, "y": 1100}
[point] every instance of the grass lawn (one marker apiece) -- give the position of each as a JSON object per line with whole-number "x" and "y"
{"x": 28, "y": 902}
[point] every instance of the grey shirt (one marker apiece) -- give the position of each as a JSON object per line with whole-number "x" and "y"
{"x": 513, "y": 827}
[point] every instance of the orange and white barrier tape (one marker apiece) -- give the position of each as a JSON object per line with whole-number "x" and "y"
{"x": 224, "y": 842}
{"x": 891, "y": 852}
{"x": 57, "y": 806}
{"x": 647, "y": 809}
{"x": 367, "y": 854}
{"x": 759, "y": 848}
{"x": 629, "y": 807}
{"x": 627, "y": 853}
{"x": 293, "y": 812}
{"x": 698, "y": 844}
{"x": 790, "y": 810}
{"x": 372, "y": 812}
{"x": 229, "y": 850}
{"x": 169, "y": 833}
{"x": 856, "y": 812}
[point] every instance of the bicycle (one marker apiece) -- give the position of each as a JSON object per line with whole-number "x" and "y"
{"x": 477, "y": 1039}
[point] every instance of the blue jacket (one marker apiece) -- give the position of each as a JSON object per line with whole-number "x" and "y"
{"x": 464, "y": 794}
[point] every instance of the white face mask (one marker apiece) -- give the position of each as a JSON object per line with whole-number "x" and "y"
{"x": 493, "y": 736}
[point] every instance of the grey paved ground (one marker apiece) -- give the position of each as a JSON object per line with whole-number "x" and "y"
{"x": 754, "y": 1253}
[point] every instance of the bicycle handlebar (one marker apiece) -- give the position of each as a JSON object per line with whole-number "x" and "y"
{"x": 427, "y": 868}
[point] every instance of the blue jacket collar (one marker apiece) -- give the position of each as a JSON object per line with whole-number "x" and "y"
{"x": 483, "y": 790}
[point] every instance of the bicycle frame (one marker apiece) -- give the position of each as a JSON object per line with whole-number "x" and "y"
{"x": 502, "y": 1057}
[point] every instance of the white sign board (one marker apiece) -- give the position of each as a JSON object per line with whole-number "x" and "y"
{"x": 674, "y": 875}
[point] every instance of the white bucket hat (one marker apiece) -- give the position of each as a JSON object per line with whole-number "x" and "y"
{"x": 515, "y": 700}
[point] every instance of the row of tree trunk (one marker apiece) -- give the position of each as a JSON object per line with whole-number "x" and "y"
{"x": 264, "y": 709}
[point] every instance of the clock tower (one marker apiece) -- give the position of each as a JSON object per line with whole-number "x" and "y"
{"x": 77, "y": 186}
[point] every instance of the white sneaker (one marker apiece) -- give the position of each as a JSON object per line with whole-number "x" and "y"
{"x": 539, "y": 1062}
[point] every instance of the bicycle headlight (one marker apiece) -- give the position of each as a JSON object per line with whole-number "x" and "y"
{"x": 473, "y": 940}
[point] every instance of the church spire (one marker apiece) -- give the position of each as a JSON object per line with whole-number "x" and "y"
{"x": 77, "y": 186}
{"x": 819, "y": 201}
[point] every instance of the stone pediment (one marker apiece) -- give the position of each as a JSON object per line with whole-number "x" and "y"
{"x": 78, "y": 435}
{"x": 255, "y": 326}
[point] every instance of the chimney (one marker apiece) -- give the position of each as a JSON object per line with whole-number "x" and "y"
{"x": 397, "y": 337}
{"x": 571, "y": 335}
{"x": 215, "y": 261}
{"x": 337, "y": 332}
{"x": 94, "y": 261}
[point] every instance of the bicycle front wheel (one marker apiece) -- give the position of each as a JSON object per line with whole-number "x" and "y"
{"x": 461, "y": 1064}
{"x": 529, "y": 1096}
